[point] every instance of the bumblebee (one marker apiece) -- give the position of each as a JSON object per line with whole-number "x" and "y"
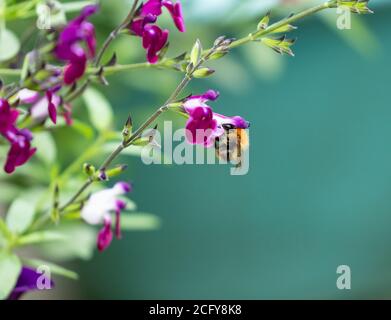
{"x": 231, "y": 146}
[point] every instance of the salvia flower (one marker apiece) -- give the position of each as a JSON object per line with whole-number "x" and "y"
{"x": 19, "y": 139}
{"x": 176, "y": 14}
{"x": 204, "y": 125}
{"x": 20, "y": 151}
{"x": 45, "y": 106}
{"x": 98, "y": 210}
{"x": 27, "y": 281}
{"x": 153, "y": 37}
{"x": 8, "y": 117}
{"x": 69, "y": 45}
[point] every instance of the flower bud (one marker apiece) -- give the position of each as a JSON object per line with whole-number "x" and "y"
{"x": 218, "y": 54}
{"x": 196, "y": 53}
{"x": 203, "y": 72}
{"x": 116, "y": 171}
{"x": 263, "y": 24}
{"x": 89, "y": 169}
{"x": 219, "y": 41}
{"x": 127, "y": 130}
{"x": 102, "y": 176}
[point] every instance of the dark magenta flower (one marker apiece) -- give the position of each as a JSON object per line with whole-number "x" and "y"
{"x": 76, "y": 67}
{"x": 154, "y": 38}
{"x": 43, "y": 106}
{"x": 203, "y": 125}
{"x": 20, "y": 151}
{"x": 176, "y": 14}
{"x": 52, "y": 108}
{"x": 98, "y": 209}
{"x": 8, "y": 117}
{"x": 105, "y": 235}
{"x": 153, "y": 7}
{"x": 27, "y": 281}
{"x": 69, "y": 45}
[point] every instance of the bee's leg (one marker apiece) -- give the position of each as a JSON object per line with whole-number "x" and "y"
{"x": 239, "y": 148}
{"x": 217, "y": 147}
{"x": 228, "y": 155}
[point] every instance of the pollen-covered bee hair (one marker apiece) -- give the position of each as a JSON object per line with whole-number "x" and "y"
{"x": 232, "y": 144}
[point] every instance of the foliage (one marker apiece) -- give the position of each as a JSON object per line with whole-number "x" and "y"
{"x": 47, "y": 194}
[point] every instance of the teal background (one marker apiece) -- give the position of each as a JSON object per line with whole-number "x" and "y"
{"x": 317, "y": 195}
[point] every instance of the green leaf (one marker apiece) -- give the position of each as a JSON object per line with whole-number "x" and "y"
{"x": 8, "y": 192}
{"x": 79, "y": 243}
{"x": 83, "y": 128}
{"x": 54, "y": 268}
{"x": 12, "y": 46}
{"x": 139, "y": 221}
{"x": 5, "y": 233}
{"x": 40, "y": 236}
{"x": 3, "y": 242}
{"x": 22, "y": 210}
{"x": 99, "y": 109}
{"x": 10, "y": 267}
{"x": 46, "y": 147}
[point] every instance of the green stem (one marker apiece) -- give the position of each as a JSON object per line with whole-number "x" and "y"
{"x": 106, "y": 163}
{"x": 97, "y": 61}
{"x": 115, "y": 33}
{"x": 5, "y": 231}
{"x": 179, "y": 88}
{"x": 76, "y": 195}
{"x": 73, "y": 167}
{"x": 85, "y": 156}
{"x": 11, "y": 72}
{"x": 185, "y": 81}
{"x": 134, "y": 66}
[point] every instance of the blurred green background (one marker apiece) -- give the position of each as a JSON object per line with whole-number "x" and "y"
{"x": 318, "y": 193}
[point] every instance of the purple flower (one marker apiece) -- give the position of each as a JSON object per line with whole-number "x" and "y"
{"x": 52, "y": 108}
{"x": 98, "y": 209}
{"x": 20, "y": 151}
{"x": 176, "y": 14}
{"x": 203, "y": 125}
{"x": 46, "y": 106}
{"x": 69, "y": 48}
{"x": 105, "y": 235}
{"x": 153, "y": 7}
{"x": 8, "y": 117}
{"x": 154, "y": 38}
{"x": 27, "y": 281}
{"x": 27, "y": 96}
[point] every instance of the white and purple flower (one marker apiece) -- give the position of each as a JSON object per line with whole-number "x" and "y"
{"x": 98, "y": 210}
{"x": 43, "y": 106}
